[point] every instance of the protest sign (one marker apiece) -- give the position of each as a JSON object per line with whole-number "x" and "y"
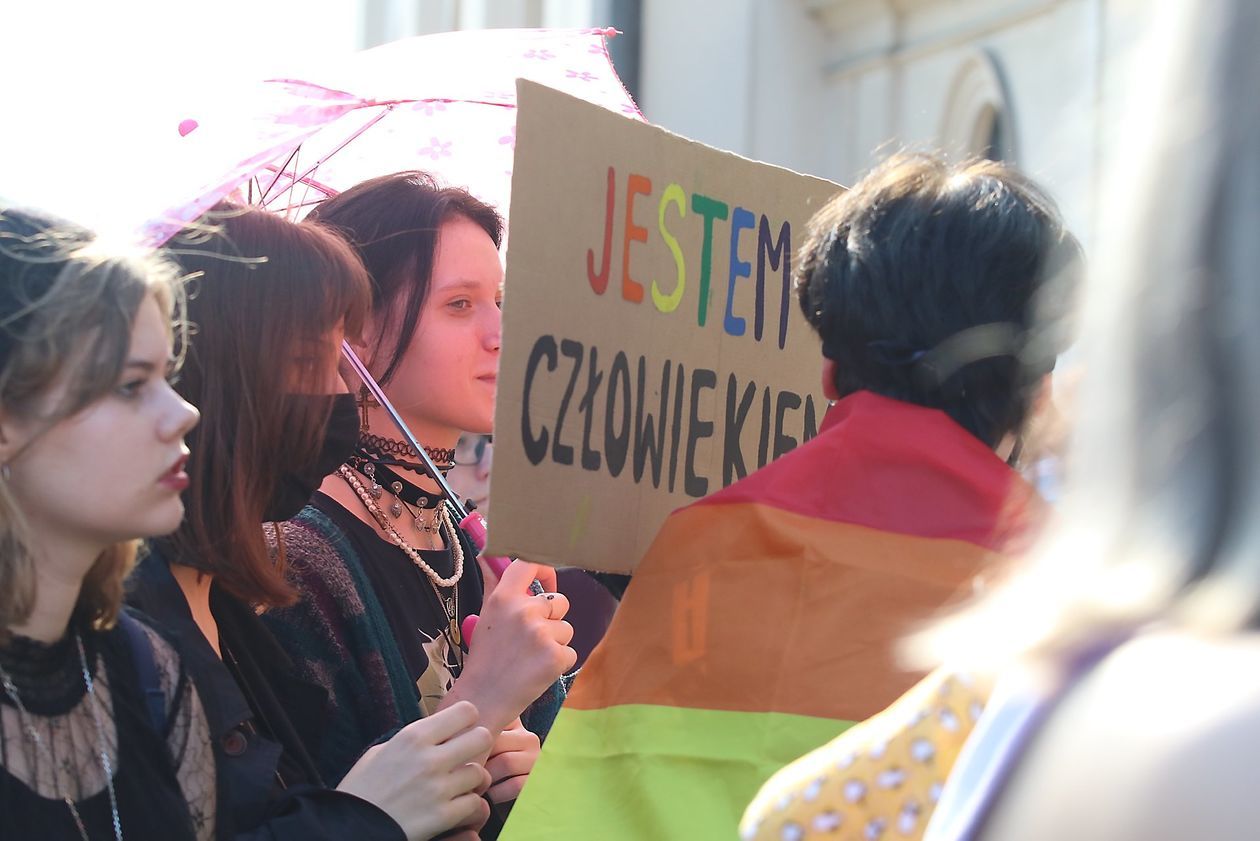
{"x": 652, "y": 350}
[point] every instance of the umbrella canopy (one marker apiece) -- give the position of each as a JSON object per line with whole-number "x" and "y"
{"x": 444, "y": 103}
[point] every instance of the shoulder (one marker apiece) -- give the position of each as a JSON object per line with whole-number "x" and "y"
{"x": 309, "y": 538}
{"x": 1158, "y": 741}
{"x": 323, "y": 565}
{"x": 317, "y": 552}
{"x": 878, "y": 776}
{"x": 165, "y": 654}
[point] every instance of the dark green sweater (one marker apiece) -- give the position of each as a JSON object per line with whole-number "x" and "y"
{"x": 339, "y": 637}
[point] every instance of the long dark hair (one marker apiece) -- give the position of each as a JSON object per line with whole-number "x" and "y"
{"x": 265, "y": 295}
{"x": 392, "y": 222}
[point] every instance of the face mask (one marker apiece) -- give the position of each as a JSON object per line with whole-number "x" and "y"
{"x": 296, "y": 487}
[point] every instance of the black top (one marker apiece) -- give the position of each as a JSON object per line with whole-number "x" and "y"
{"x": 265, "y": 722}
{"x": 417, "y": 620}
{"x": 431, "y": 652}
{"x": 49, "y": 682}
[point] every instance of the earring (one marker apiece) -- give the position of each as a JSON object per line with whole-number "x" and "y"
{"x": 365, "y": 401}
{"x": 5, "y": 472}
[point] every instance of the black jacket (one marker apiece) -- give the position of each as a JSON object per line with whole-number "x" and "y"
{"x": 265, "y": 722}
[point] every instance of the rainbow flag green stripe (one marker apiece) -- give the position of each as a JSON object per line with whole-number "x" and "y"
{"x": 697, "y": 768}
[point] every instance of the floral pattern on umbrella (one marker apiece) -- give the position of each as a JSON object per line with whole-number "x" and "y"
{"x": 444, "y": 103}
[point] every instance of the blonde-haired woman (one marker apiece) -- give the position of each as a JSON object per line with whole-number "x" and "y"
{"x": 1129, "y": 705}
{"x": 101, "y": 735}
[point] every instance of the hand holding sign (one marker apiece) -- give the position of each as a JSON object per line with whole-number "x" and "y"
{"x": 522, "y": 647}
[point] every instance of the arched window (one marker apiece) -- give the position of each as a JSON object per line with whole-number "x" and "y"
{"x": 977, "y": 119}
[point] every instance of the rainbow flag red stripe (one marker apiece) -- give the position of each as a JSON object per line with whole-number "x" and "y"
{"x": 764, "y": 620}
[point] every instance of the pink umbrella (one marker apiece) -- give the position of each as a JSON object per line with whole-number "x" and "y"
{"x": 444, "y": 103}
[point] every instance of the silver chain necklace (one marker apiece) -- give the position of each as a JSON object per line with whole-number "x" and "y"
{"x": 106, "y": 766}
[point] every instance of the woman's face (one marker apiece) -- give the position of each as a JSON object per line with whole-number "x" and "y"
{"x": 445, "y": 383}
{"x": 115, "y": 470}
{"x": 470, "y": 478}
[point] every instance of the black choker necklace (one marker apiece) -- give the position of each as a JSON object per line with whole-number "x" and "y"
{"x": 410, "y": 493}
{"x": 443, "y": 458}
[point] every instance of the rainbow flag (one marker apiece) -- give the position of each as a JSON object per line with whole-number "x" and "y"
{"x": 763, "y": 622}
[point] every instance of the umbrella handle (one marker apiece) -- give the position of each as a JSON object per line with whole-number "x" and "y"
{"x": 475, "y": 526}
{"x": 379, "y": 394}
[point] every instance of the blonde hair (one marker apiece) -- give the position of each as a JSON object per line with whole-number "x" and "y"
{"x": 1161, "y": 522}
{"x": 68, "y": 303}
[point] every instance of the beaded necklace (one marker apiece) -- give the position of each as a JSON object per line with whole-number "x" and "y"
{"x": 445, "y": 524}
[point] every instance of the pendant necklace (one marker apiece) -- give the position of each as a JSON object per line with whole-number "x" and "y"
{"x": 106, "y": 766}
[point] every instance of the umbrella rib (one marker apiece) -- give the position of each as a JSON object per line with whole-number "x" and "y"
{"x": 292, "y": 184}
{"x": 390, "y": 103}
{"x": 304, "y": 203}
{"x": 386, "y": 106}
{"x": 320, "y": 162}
{"x": 262, "y": 199}
{"x": 308, "y": 182}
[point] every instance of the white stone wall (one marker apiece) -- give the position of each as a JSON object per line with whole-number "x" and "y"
{"x": 828, "y": 86}
{"x": 388, "y": 20}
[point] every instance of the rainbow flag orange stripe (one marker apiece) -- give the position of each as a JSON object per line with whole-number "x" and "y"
{"x": 763, "y": 621}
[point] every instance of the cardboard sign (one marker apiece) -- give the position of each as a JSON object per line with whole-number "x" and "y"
{"x": 653, "y": 351}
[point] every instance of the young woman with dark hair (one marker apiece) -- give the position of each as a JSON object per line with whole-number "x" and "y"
{"x": 937, "y": 290}
{"x": 386, "y": 576}
{"x": 101, "y": 734}
{"x": 270, "y": 304}
{"x": 963, "y": 314}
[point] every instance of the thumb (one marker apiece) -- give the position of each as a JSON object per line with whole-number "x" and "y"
{"x": 519, "y": 575}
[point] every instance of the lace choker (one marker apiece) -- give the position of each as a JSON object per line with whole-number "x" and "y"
{"x": 46, "y": 674}
{"x": 443, "y": 458}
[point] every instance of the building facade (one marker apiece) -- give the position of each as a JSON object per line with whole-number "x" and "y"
{"x": 829, "y": 86}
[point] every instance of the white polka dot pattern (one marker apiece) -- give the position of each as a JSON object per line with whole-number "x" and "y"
{"x": 878, "y": 780}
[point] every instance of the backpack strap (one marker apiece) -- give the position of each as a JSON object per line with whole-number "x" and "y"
{"x": 146, "y": 671}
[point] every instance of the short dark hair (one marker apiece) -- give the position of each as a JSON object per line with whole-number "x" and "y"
{"x": 927, "y": 280}
{"x": 262, "y": 291}
{"x": 392, "y": 222}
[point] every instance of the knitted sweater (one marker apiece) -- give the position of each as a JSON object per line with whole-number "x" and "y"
{"x": 339, "y": 637}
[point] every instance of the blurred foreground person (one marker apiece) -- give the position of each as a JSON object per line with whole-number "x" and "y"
{"x": 101, "y": 733}
{"x": 764, "y": 618}
{"x": 1129, "y": 705}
